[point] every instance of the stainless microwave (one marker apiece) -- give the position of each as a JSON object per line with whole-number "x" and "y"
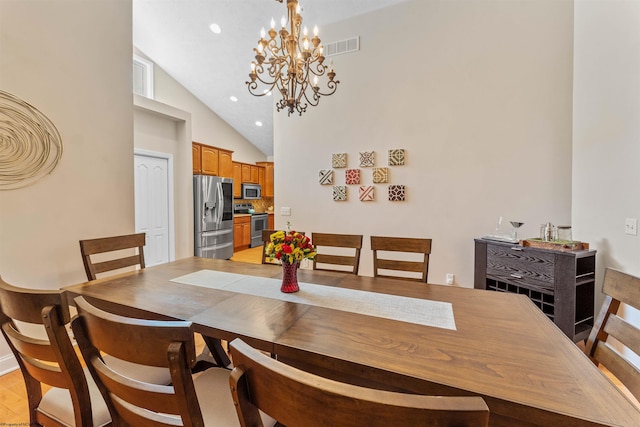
{"x": 251, "y": 191}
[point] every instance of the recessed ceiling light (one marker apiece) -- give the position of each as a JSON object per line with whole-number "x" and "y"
{"x": 215, "y": 28}
{"x": 233, "y": 98}
{"x": 258, "y": 123}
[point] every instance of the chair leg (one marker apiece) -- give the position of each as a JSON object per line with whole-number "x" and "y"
{"x": 219, "y": 355}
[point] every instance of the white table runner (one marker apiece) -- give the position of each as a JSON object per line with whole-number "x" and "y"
{"x": 412, "y": 310}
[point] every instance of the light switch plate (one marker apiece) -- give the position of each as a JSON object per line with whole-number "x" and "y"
{"x": 285, "y": 211}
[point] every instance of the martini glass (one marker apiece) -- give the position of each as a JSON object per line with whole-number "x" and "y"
{"x": 515, "y": 225}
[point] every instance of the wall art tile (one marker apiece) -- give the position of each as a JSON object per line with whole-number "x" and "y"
{"x": 367, "y": 193}
{"x": 380, "y": 175}
{"x": 352, "y": 176}
{"x": 340, "y": 193}
{"x": 367, "y": 159}
{"x": 326, "y": 176}
{"x": 396, "y": 157}
{"x": 339, "y": 160}
{"x": 396, "y": 193}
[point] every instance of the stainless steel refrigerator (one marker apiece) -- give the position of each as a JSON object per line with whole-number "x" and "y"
{"x": 213, "y": 222}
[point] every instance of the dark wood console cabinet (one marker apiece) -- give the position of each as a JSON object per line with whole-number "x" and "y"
{"x": 560, "y": 283}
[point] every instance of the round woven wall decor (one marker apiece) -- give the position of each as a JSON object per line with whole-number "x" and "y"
{"x": 30, "y": 145}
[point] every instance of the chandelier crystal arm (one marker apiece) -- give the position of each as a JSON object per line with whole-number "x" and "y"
{"x": 291, "y": 61}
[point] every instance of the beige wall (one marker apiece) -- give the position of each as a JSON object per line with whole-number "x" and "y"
{"x": 159, "y": 128}
{"x": 72, "y": 61}
{"x": 606, "y": 148}
{"x": 168, "y": 124}
{"x": 478, "y": 93}
{"x": 207, "y": 127}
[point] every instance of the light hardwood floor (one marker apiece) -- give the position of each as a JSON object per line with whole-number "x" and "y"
{"x": 13, "y": 400}
{"x": 251, "y": 255}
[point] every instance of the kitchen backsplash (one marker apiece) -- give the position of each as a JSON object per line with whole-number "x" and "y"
{"x": 261, "y": 205}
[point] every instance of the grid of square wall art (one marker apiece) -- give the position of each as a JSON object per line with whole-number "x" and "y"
{"x": 363, "y": 178}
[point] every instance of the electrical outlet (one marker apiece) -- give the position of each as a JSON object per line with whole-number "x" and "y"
{"x": 450, "y": 278}
{"x": 285, "y": 211}
{"x": 631, "y": 226}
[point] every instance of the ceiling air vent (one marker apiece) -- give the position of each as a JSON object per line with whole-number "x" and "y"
{"x": 342, "y": 46}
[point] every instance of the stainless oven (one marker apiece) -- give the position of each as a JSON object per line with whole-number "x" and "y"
{"x": 259, "y": 222}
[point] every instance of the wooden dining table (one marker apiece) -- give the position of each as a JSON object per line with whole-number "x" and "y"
{"x": 502, "y": 347}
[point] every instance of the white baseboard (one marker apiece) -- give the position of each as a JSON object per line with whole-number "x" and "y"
{"x": 8, "y": 364}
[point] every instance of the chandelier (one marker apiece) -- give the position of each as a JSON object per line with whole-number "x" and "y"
{"x": 291, "y": 62}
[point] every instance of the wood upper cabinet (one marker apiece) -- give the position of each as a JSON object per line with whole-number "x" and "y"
{"x": 267, "y": 186}
{"x": 261, "y": 176}
{"x": 209, "y": 160}
{"x": 237, "y": 180}
{"x": 246, "y": 172}
{"x": 225, "y": 163}
{"x": 254, "y": 174}
{"x": 196, "y": 157}
{"x": 260, "y": 173}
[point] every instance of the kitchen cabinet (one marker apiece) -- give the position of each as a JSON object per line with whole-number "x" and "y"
{"x": 249, "y": 173}
{"x": 241, "y": 232}
{"x": 261, "y": 178}
{"x": 209, "y": 158}
{"x": 272, "y": 222}
{"x": 196, "y": 158}
{"x": 225, "y": 163}
{"x": 254, "y": 174}
{"x": 246, "y": 172}
{"x": 237, "y": 180}
{"x": 267, "y": 186}
{"x": 560, "y": 283}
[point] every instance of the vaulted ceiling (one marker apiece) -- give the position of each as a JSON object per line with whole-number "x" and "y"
{"x": 176, "y": 36}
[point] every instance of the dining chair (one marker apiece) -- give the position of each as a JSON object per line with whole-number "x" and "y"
{"x": 351, "y": 241}
{"x": 34, "y": 325}
{"x": 108, "y": 245}
{"x": 266, "y": 238}
{"x": 104, "y": 245}
{"x": 298, "y": 398}
{"x": 190, "y": 400}
{"x": 401, "y": 245}
{"x": 618, "y": 288}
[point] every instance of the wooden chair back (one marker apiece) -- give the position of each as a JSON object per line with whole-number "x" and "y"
{"x": 111, "y": 244}
{"x": 353, "y": 241}
{"x": 297, "y": 398}
{"x": 401, "y": 244}
{"x": 168, "y": 344}
{"x": 266, "y": 239}
{"x": 619, "y": 288}
{"x": 47, "y": 357}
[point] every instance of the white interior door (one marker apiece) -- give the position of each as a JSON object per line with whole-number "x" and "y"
{"x": 153, "y": 205}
